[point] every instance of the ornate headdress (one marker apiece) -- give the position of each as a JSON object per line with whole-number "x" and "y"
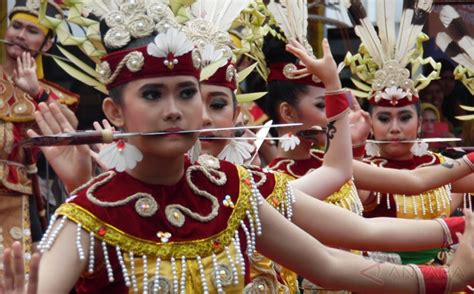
{"x": 29, "y": 10}
{"x": 208, "y": 29}
{"x": 458, "y": 43}
{"x": 32, "y": 7}
{"x": 379, "y": 68}
{"x": 122, "y": 24}
{"x": 291, "y": 16}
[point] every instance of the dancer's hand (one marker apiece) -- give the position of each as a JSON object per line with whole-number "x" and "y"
{"x": 324, "y": 68}
{"x": 24, "y": 75}
{"x": 71, "y": 163}
{"x": 14, "y": 280}
{"x": 94, "y": 153}
{"x": 461, "y": 271}
{"x": 360, "y": 123}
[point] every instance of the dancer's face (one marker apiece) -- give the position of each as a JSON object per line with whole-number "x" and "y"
{"x": 219, "y": 111}
{"x": 395, "y": 124}
{"x": 24, "y": 34}
{"x": 159, "y": 104}
{"x": 310, "y": 111}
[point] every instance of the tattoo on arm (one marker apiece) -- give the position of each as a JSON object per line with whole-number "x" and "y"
{"x": 448, "y": 165}
{"x": 331, "y": 131}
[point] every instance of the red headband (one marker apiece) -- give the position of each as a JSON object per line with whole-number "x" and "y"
{"x": 225, "y": 76}
{"x": 393, "y": 97}
{"x": 141, "y": 65}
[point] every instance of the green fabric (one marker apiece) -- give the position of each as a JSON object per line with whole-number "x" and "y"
{"x": 419, "y": 257}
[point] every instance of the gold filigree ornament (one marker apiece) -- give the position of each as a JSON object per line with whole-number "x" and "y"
{"x": 135, "y": 61}
{"x": 146, "y": 207}
{"x": 174, "y": 216}
{"x": 466, "y": 76}
{"x": 140, "y": 26}
{"x": 288, "y": 72}
{"x": 117, "y": 37}
{"x": 104, "y": 71}
{"x": 197, "y": 59}
{"x": 230, "y": 73}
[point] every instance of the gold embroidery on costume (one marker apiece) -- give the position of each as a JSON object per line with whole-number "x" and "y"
{"x": 217, "y": 260}
{"x": 427, "y": 205}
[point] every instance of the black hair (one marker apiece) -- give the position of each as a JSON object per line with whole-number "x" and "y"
{"x": 274, "y": 50}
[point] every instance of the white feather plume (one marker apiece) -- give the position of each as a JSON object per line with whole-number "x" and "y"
{"x": 386, "y": 25}
{"x": 100, "y": 8}
{"x": 210, "y": 54}
{"x": 410, "y": 32}
{"x": 366, "y": 31}
{"x": 443, "y": 40}
{"x": 456, "y": 26}
{"x": 220, "y": 13}
{"x": 291, "y": 16}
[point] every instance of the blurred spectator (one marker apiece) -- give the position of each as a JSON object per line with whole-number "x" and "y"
{"x": 433, "y": 127}
{"x": 454, "y": 94}
{"x": 433, "y": 94}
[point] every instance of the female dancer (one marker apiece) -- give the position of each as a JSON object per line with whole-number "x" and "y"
{"x": 188, "y": 246}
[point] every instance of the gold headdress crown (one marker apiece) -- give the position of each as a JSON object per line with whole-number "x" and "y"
{"x": 111, "y": 26}
{"x": 379, "y": 68}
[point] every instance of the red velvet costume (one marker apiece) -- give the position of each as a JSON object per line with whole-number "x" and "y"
{"x": 171, "y": 231}
{"x": 346, "y": 197}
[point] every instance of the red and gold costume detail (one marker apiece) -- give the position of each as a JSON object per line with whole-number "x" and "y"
{"x": 431, "y": 204}
{"x": 428, "y": 205}
{"x": 346, "y": 197}
{"x": 194, "y": 236}
{"x": 16, "y": 116}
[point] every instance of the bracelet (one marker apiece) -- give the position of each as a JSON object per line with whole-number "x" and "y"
{"x": 435, "y": 279}
{"x": 431, "y": 279}
{"x": 469, "y": 159}
{"x": 337, "y": 103}
{"x": 451, "y": 226}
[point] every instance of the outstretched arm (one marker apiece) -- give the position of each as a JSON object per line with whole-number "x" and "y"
{"x": 336, "y": 269}
{"x": 62, "y": 260}
{"x": 411, "y": 182}
{"x": 337, "y": 164}
{"x": 340, "y": 228}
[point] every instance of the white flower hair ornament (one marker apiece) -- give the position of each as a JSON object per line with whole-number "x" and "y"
{"x": 169, "y": 45}
{"x": 120, "y": 156}
{"x": 289, "y": 142}
{"x": 393, "y": 94}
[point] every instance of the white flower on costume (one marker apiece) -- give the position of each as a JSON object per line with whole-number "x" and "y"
{"x": 419, "y": 148}
{"x": 289, "y": 142}
{"x": 195, "y": 151}
{"x": 120, "y": 156}
{"x": 237, "y": 152}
